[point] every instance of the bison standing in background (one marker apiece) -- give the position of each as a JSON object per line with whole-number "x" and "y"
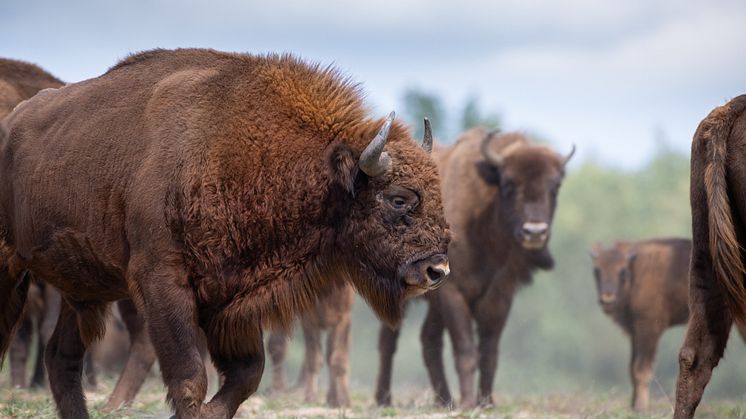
{"x": 222, "y": 192}
{"x": 499, "y": 195}
{"x": 643, "y": 287}
{"x": 333, "y": 314}
{"x": 19, "y": 81}
{"x": 717, "y": 293}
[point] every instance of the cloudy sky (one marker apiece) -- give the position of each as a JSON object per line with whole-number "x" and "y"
{"x": 607, "y": 75}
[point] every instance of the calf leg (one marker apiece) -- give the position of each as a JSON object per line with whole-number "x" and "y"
{"x": 431, "y": 337}
{"x": 338, "y": 360}
{"x": 706, "y": 335}
{"x": 277, "y": 347}
{"x": 139, "y": 360}
{"x": 19, "y": 350}
{"x": 644, "y": 344}
{"x": 313, "y": 359}
{"x": 387, "y": 338}
{"x": 64, "y": 359}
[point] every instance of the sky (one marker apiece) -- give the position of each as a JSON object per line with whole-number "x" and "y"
{"x": 612, "y": 77}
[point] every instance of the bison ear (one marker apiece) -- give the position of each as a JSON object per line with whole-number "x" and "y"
{"x": 343, "y": 167}
{"x": 488, "y": 172}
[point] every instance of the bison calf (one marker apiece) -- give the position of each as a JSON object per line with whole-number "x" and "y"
{"x": 643, "y": 287}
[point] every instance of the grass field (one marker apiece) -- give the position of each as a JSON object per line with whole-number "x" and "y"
{"x": 19, "y": 403}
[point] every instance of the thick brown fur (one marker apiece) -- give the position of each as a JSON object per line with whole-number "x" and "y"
{"x": 206, "y": 186}
{"x": 486, "y": 207}
{"x": 716, "y": 282}
{"x": 19, "y": 81}
{"x": 644, "y": 287}
{"x": 334, "y": 315}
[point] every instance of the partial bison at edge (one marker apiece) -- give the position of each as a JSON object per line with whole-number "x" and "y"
{"x": 222, "y": 192}
{"x": 499, "y": 196}
{"x": 717, "y": 295}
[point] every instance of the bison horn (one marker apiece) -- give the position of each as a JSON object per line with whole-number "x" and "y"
{"x": 569, "y": 155}
{"x": 491, "y": 156}
{"x": 427, "y": 138}
{"x": 373, "y": 160}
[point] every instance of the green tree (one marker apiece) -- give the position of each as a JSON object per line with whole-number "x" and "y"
{"x": 419, "y": 104}
{"x": 472, "y": 116}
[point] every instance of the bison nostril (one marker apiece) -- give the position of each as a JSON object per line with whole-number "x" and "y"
{"x": 436, "y": 273}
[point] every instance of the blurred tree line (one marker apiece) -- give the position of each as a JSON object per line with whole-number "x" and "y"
{"x": 557, "y": 338}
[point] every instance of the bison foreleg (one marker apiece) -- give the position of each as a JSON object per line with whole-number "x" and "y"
{"x": 458, "y": 320}
{"x": 64, "y": 359}
{"x": 490, "y": 328}
{"x": 387, "y": 338}
{"x": 644, "y": 344}
{"x": 431, "y": 337}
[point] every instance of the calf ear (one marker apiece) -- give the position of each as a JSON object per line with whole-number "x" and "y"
{"x": 596, "y": 249}
{"x": 343, "y": 167}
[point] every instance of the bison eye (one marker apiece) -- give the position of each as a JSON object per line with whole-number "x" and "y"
{"x": 398, "y": 202}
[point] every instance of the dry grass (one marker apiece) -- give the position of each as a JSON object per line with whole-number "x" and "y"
{"x": 20, "y": 403}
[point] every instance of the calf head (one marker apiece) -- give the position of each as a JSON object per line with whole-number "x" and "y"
{"x": 528, "y": 179}
{"x": 393, "y": 230}
{"x": 612, "y": 270}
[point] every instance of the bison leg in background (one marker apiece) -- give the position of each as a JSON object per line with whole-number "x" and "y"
{"x": 490, "y": 325}
{"x": 277, "y": 346}
{"x": 312, "y": 360}
{"x": 64, "y": 359}
{"x": 431, "y": 337}
{"x": 706, "y": 335}
{"x": 338, "y": 360}
{"x": 19, "y": 350}
{"x": 459, "y": 324}
{"x": 39, "y": 379}
{"x": 139, "y": 361}
{"x": 242, "y": 375}
{"x": 387, "y": 339}
{"x": 644, "y": 344}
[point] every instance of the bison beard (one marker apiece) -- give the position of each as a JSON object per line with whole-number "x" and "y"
{"x": 225, "y": 192}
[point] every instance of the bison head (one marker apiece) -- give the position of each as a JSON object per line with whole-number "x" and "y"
{"x": 528, "y": 179}
{"x": 392, "y": 229}
{"x": 612, "y": 269}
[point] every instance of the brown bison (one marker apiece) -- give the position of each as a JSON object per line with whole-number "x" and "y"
{"x": 221, "y": 192}
{"x": 643, "y": 287}
{"x": 499, "y": 196}
{"x": 19, "y": 81}
{"x": 717, "y": 294}
{"x": 333, "y": 314}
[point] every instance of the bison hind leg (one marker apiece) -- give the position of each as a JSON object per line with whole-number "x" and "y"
{"x": 13, "y": 293}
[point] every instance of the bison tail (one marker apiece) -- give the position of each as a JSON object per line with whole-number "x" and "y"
{"x": 725, "y": 250}
{"x": 14, "y": 285}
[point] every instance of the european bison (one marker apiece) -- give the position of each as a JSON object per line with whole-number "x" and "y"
{"x": 717, "y": 295}
{"x": 333, "y": 314}
{"x": 222, "y": 192}
{"x": 643, "y": 287}
{"x": 499, "y": 196}
{"x": 19, "y": 81}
